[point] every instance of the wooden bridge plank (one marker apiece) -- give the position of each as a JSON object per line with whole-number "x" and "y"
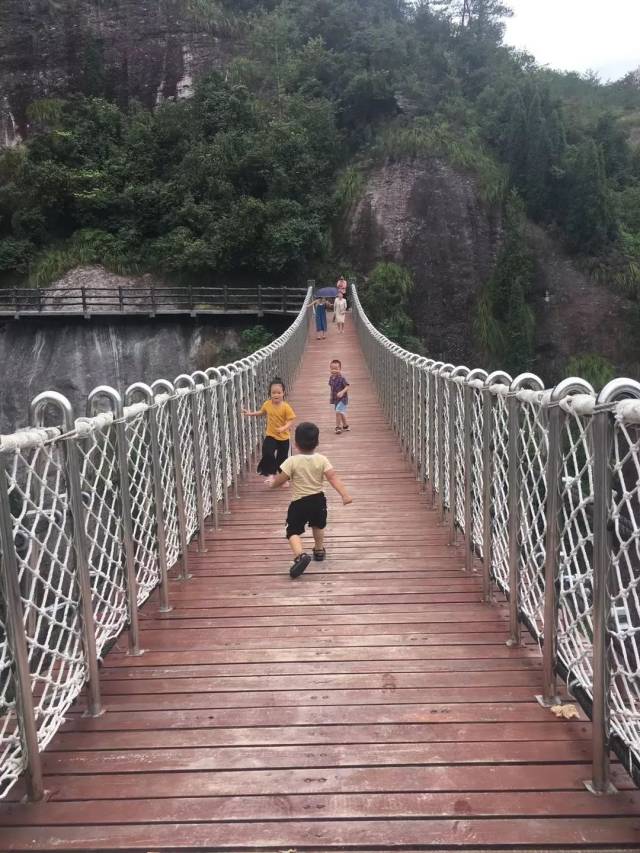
{"x": 323, "y": 835}
{"x": 331, "y": 734}
{"x": 334, "y": 807}
{"x": 372, "y": 704}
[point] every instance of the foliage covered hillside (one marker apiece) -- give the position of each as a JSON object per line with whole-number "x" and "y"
{"x": 247, "y": 178}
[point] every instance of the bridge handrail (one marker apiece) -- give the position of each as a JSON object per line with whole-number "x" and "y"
{"x": 149, "y": 300}
{"x": 95, "y": 511}
{"x": 544, "y": 485}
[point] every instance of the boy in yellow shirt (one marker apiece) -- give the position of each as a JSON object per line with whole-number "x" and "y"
{"x": 280, "y": 416}
{"x": 307, "y": 470}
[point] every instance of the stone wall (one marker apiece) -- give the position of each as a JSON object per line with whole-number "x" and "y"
{"x": 73, "y": 356}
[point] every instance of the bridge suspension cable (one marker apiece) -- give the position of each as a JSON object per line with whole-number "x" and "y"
{"x": 544, "y": 486}
{"x": 95, "y": 511}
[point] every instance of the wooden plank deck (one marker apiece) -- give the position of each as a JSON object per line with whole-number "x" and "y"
{"x": 372, "y": 704}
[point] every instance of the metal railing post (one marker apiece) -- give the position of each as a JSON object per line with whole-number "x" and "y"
{"x": 433, "y": 414}
{"x": 180, "y": 381}
{"x": 72, "y": 472}
{"x": 549, "y": 695}
{"x": 453, "y": 450}
{"x": 513, "y": 527}
{"x": 213, "y": 474}
{"x": 233, "y": 429}
{"x": 603, "y": 436}
{"x": 495, "y": 378}
{"x": 513, "y": 521}
{"x": 444, "y": 371}
{"x": 602, "y": 440}
{"x": 219, "y": 385}
{"x": 165, "y": 386}
{"x": 487, "y": 478}
{"x": 17, "y": 640}
{"x": 468, "y": 478}
{"x": 125, "y": 508}
{"x": 144, "y": 391}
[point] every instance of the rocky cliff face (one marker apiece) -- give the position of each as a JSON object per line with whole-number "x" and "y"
{"x": 123, "y": 49}
{"x": 431, "y": 219}
{"x": 72, "y": 357}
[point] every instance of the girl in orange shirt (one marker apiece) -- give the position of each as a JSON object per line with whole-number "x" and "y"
{"x": 280, "y": 416}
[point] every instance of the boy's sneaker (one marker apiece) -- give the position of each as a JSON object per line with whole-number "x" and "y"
{"x": 319, "y": 554}
{"x": 299, "y": 565}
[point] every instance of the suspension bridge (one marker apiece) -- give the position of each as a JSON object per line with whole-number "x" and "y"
{"x": 460, "y": 673}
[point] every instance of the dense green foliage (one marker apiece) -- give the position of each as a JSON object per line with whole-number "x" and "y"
{"x": 592, "y": 367}
{"x": 504, "y": 322}
{"x": 253, "y": 175}
{"x": 385, "y": 297}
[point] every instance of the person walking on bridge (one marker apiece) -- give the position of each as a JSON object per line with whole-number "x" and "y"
{"x": 280, "y": 416}
{"x": 307, "y": 471}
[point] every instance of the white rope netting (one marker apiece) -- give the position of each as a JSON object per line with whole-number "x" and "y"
{"x": 575, "y": 564}
{"x": 500, "y": 493}
{"x": 624, "y": 624}
{"x": 533, "y": 454}
{"x": 42, "y": 535}
{"x": 143, "y": 515}
{"x": 100, "y": 483}
{"x": 477, "y": 472}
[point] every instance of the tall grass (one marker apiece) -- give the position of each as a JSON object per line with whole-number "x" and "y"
{"x": 348, "y": 189}
{"x": 88, "y": 246}
{"x": 422, "y": 139}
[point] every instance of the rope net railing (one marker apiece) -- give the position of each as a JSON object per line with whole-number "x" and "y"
{"x": 544, "y": 486}
{"x": 95, "y": 512}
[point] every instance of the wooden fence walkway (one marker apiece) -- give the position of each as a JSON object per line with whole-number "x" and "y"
{"x": 372, "y": 704}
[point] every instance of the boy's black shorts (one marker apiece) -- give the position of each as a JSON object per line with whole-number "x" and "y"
{"x": 311, "y": 510}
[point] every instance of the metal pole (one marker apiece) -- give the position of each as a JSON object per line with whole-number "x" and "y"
{"x": 200, "y": 374}
{"x": 487, "y": 479}
{"x": 167, "y": 387}
{"x": 602, "y": 440}
{"x": 18, "y": 646}
{"x": 533, "y": 382}
{"x": 549, "y": 695}
{"x": 468, "y": 478}
{"x": 233, "y": 430}
{"x": 218, "y": 385}
{"x": 147, "y": 394}
{"x": 514, "y": 519}
{"x": 453, "y": 447}
{"x": 125, "y": 506}
{"x": 180, "y": 381}
{"x": 453, "y": 405}
{"x": 72, "y": 468}
{"x": 433, "y": 414}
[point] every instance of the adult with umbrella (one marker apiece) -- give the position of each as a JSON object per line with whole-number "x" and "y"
{"x": 319, "y": 306}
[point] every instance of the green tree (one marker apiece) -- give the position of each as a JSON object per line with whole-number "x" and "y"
{"x": 590, "y": 222}
{"x": 504, "y": 325}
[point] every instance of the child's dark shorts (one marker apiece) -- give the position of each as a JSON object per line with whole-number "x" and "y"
{"x": 311, "y": 510}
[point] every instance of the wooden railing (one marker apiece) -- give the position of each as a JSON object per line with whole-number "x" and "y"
{"x": 148, "y": 301}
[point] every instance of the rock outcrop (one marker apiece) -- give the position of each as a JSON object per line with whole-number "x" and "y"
{"x": 431, "y": 219}
{"x": 121, "y": 49}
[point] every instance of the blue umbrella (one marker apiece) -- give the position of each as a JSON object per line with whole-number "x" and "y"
{"x": 327, "y": 291}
